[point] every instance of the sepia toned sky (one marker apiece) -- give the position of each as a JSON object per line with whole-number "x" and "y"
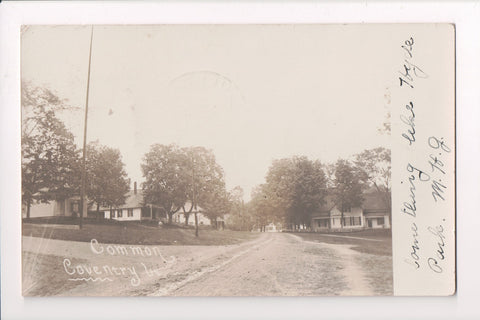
{"x": 251, "y": 93}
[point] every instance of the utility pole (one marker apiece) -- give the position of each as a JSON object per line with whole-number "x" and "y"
{"x": 82, "y": 194}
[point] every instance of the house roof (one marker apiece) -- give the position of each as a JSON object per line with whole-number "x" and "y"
{"x": 133, "y": 200}
{"x": 372, "y": 203}
{"x": 325, "y": 209}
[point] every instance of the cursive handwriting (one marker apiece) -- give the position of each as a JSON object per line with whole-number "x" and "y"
{"x": 436, "y": 143}
{"x": 417, "y": 173}
{"x": 410, "y": 207}
{"x": 101, "y": 273}
{"x": 437, "y": 190}
{"x": 414, "y": 256}
{"x": 434, "y": 262}
{"x": 410, "y": 71}
{"x": 409, "y": 120}
{"x": 438, "y": 167}
{"x": 424, "y": 176}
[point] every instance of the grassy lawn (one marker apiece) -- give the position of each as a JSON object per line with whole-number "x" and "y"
{"x": 136, "y": 233}
{"x": 382, "y": 247}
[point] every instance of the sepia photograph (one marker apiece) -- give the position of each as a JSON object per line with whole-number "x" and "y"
{"x": 214, "y": 160}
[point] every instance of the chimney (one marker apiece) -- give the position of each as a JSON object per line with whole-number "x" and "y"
{"x": 135, "y": 187}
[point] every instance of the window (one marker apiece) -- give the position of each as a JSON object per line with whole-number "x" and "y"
{"x": 130, "y": 213}
{"x": 357, "y": 221}
{"x": 112, "y": 213}
{"x": 354, "y": 221}
{"x": 380, "y": 221}
{"x": 322, "y": 223}
{"x": 119, "y": 213}
{"x": 75, "y": 206}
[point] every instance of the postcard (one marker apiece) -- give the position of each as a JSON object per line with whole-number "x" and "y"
{"x": 238, "y": 160}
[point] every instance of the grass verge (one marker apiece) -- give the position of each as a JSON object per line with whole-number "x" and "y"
{"x": 135, "y": 233}
{"x": 378, "y": 243}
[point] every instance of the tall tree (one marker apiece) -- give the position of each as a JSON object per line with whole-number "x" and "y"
{"x": 217, "y": 205}
{"x": 295, "y": 187}
{"x": 239, "y": 216}
{"x": 266, "y": 206}
{"x": 377, "y": 166}
{"x": 49, "y": 155}
{"x": 107, "y": 182}
{"x": 166, "y": 178}
{"x": 33, "y": 98}
{"x": 206, "y": 185}
{"x": 349, "y": 185}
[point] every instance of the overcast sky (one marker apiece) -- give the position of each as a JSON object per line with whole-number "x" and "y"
{"x": 250, "y": 93}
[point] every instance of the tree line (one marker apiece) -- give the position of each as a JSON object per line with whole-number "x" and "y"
{"x": 186, "y": 179}
{"x": 297, "y": 187}
{"x": 176, "y": 179}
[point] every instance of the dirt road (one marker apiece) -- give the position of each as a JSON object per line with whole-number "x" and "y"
{"x": 274, "y": 264}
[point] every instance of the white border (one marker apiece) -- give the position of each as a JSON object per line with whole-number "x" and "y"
{"x": 466, "y": 16}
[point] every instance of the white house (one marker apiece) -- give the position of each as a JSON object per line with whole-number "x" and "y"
{"x": 271, "y": 227}
{"x": 375, "y": 213}
{"x": 134, "y": 209}
{"x": 179, "y": 217}
{"x": 63, "y": 208}
{"x": 372, "y": 214}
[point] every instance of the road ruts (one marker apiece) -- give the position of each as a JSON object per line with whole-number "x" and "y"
{"x": 278, "y": 264}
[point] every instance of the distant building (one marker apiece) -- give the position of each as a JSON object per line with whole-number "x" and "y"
{"x": 271, "y": 227}
{"x": 372, "y": 214}
{"x": 179, "y": 217}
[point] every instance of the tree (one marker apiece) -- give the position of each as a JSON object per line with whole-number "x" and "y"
{"x": 240, "y": 215}
{"x": 167, "y": 178}
{"x": 206, "y": 184}
{"x": 107, "y": 182}
{"x": 265, "y": 205}
{"x": 295, "y": 188}
{"x": 310, "y": 189}
{"x": 377, "y": 167}
{"x": 33, "y": 98}
{"x": 50, "y": 158}
{"x": 348, "y": 189}
{"x": 217, "y": 205}
{"x": 177, "y": 176}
